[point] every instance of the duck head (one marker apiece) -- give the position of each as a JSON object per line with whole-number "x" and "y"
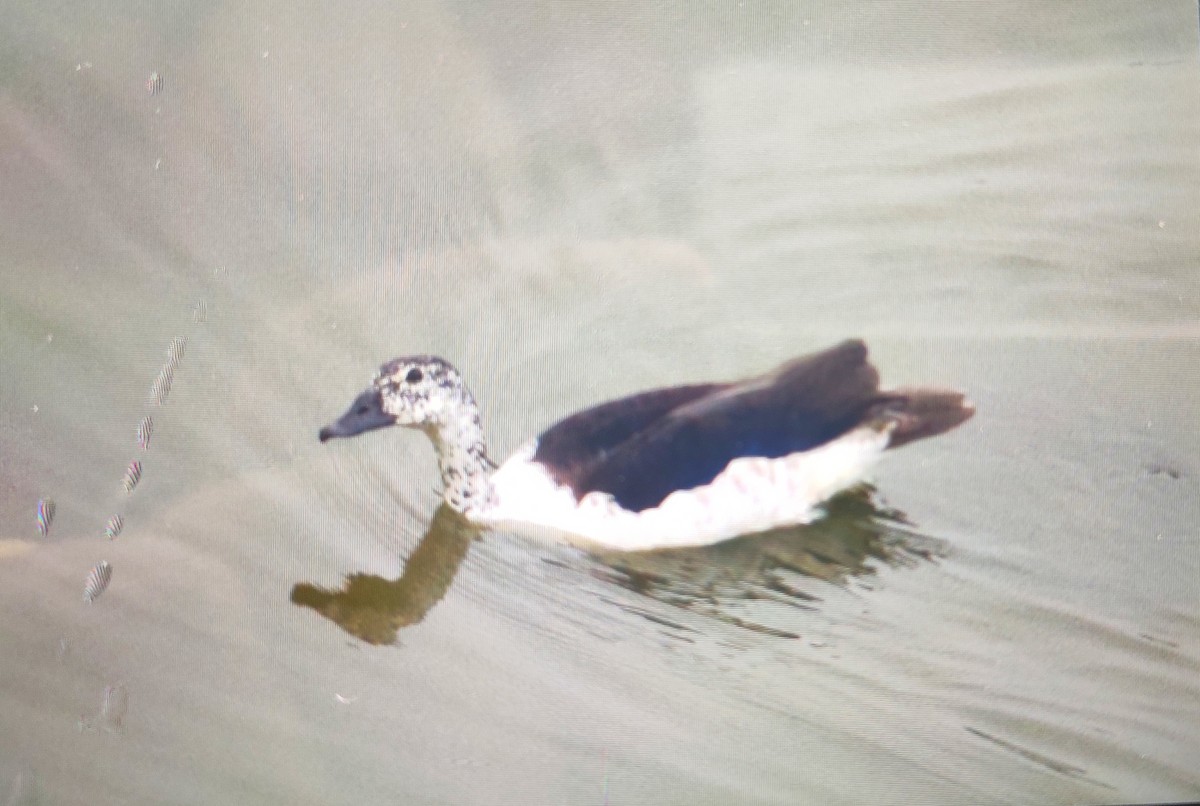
{"x": 414, "y": 391}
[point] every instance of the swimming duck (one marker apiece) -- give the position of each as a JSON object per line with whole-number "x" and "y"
{"x": 668, "y": 468}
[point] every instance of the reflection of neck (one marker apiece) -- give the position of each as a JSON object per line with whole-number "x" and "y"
{"x": 374, "y": 608}
{"x": 462, "y": 458}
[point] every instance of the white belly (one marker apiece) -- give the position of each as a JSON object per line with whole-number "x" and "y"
{"x": 751, "y": 495}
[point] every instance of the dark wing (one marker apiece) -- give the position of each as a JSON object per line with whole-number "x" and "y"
{"x": 805, "y": 403}
{"x": 572, "y": 445}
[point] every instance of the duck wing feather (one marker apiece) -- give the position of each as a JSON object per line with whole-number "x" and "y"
{"x": 683, "y": 437}
{"x": 578, "y": 442}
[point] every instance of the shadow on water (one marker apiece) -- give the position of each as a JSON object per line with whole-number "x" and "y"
{"x": 784, "y": 566}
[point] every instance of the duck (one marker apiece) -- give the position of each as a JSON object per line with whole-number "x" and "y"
{"x": 674, "y": 467}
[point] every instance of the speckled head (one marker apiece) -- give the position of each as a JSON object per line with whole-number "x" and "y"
{"x": 421, "y": 391}
{"x": 416, "y": 391}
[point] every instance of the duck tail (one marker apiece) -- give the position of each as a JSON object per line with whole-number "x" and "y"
{"x": 917, "y": 413}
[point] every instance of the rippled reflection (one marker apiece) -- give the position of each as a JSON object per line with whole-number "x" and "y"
{"x": 373, "y": 608}
{"x": 785, "y": 566}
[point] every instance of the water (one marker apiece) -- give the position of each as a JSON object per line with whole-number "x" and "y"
{"x": 572, "y": 206}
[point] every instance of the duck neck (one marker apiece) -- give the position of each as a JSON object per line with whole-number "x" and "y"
{"x": 462, "y": 458}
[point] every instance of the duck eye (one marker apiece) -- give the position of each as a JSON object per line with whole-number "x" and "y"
{"x": 414, "y": 376}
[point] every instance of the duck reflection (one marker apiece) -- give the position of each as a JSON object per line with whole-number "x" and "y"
{"x": 375, "y": 609}
{"x": 785, "y": 566}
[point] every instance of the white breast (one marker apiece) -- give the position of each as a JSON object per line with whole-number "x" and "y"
{"x": 751, "y": 495}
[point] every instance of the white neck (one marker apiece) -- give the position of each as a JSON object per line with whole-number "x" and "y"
{"x": 462, "y": 457}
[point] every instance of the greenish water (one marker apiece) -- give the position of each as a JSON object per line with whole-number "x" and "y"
{"x": 571, "y": 204}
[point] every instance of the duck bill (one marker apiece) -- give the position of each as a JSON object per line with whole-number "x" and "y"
{"x": 365, "y": 414}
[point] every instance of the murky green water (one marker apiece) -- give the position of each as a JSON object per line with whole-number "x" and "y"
{"x": 571, "y": 205}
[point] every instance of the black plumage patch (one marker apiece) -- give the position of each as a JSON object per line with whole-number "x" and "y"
{"x": 643, "y": 448}
{"x": 571, "y": 446}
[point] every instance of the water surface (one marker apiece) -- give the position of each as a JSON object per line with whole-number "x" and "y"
{"x": 570, "y": 207}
